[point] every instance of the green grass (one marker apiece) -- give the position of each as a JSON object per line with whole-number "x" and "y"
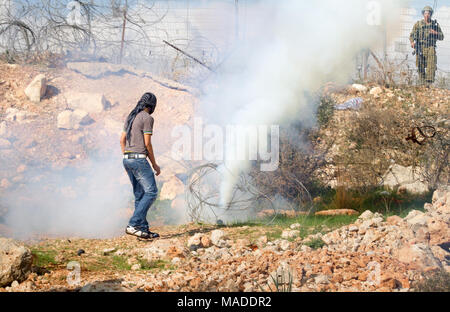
{"x": 120, "y": 263}
{"x": 376, "y": 200}
{"x": 309, "y": 225}
{"x": 44, "y": 258}
{"x": 154, "y": 265}
{"x": 315, "y": 243}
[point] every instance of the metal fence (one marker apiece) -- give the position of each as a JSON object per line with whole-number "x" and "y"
{"x": 179, "y": 38}
{"x": 397, "y": 58}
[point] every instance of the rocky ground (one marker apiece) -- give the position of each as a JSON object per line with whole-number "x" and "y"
{"x": 370, "y": 254}
{"x": 82, "y": 111}
{"x": 80, "y": 116}
{"x": 368, "y": 140}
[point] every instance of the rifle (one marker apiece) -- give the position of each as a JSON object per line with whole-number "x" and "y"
{"x": 434, "y": 26}
{"x": 417, "y": 49}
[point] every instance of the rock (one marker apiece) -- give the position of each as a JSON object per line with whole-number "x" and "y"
{"x": 64, "y": 120}
{"x": 406, "y": 178}
{"x": 221, "y": 243}
{"x": 418, "y": 221}
{"x": 104, "y": 287}
{"x": 89, "y": 102}
{"x": 37, "y": 88}
{"x": 353, "y": 228}
{"x": 284, "y": 245}
{"x": 295, "y": 226}
{"x": 305, "y": 248}
{"x": 217, "y": 236}
{"x": 136, "y": 267}
{"x": 108, "y": 251}
{"x": 439, "y": 231}
{"x": 164, "y": 249}
{"x": 359, "y": 87}
{"x": 288, "y": 234}
{"x": 441, "y": 196}
{"x": 95, "y": 70}
{"x": 193, "y": 249}
{"x": 72, "y": 119}
{"x": 321, "y": 279}
{"x": 175, "y": 252}
{"x": 15, "y": 262}
{"x": 15, "y": 115}
{"x": 376, "y": 91}
{"x": 419, "y": 255}
{"x": 175, "y": 261}
{"x": 262, "y": 240}
{"x": 171, "y": 189}
{"x": 23, "y": 116}
{"x": 205, "y": 242}
{"x": 393, "y": 220}
{"x": 390, "y": 283}
{"x": 195, "y": 240}
{"x": 336, "y": 212}
{"x": 374, "y": 222}
{"x": 366, "y": 215}
{"x": 414, "y": 213}
{"x": 10, "y": 114}
{"x": 390, "y": 94}
{"x": 248, "y": 287}
{"x": 4, "y": 144}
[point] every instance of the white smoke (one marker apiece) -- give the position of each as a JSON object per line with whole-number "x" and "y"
{"x": 292, "y": 48}
{"x": 83, "y": 202}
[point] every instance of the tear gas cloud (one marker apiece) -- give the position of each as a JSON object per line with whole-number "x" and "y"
{"x": 81, "y": 202}
{"x": 290, "y": 49}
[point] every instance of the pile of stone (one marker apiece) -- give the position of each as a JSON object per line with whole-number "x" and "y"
{"x": 415, "y": 239}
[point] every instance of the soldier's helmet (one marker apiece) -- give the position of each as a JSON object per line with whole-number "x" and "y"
{"x": 427, "y": 8}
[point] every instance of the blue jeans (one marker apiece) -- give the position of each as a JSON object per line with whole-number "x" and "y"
{"x": 144, "y": 188}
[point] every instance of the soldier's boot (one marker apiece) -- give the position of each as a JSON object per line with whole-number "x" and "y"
{"x": 422, "y": 78}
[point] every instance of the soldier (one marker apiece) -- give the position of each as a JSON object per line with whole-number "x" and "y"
{"x": 423, "y": 40}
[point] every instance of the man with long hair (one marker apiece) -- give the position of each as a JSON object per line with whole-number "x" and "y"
{"x": 136, "y": 147}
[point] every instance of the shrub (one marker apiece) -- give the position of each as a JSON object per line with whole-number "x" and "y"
{"x": 438, "y": 281}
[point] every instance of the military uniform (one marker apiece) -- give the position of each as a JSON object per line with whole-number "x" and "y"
{"x": 426, "y": 60}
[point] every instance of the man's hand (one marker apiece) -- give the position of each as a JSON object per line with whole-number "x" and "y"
{"x": 434, "y": 32}
{"x": 157, "y": 169}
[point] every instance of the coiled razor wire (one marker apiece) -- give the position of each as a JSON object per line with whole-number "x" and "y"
{"x": 203, "y": 195}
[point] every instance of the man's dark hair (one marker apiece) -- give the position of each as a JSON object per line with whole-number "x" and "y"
{"x": 147, "y": 100}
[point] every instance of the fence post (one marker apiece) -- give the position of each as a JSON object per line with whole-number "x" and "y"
{"x": 123, "y": 31}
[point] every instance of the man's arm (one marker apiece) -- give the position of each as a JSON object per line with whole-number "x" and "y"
{"x": 413, "y": 35}
{"x": 123, "y": 141}
{"x": 440, "y": 34}
{"x": 151, "y": 155}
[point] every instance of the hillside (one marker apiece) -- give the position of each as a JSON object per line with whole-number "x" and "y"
{"x": 367, "y": 251}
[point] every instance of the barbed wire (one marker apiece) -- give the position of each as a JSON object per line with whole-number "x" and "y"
{"x": 95, "y": 28}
